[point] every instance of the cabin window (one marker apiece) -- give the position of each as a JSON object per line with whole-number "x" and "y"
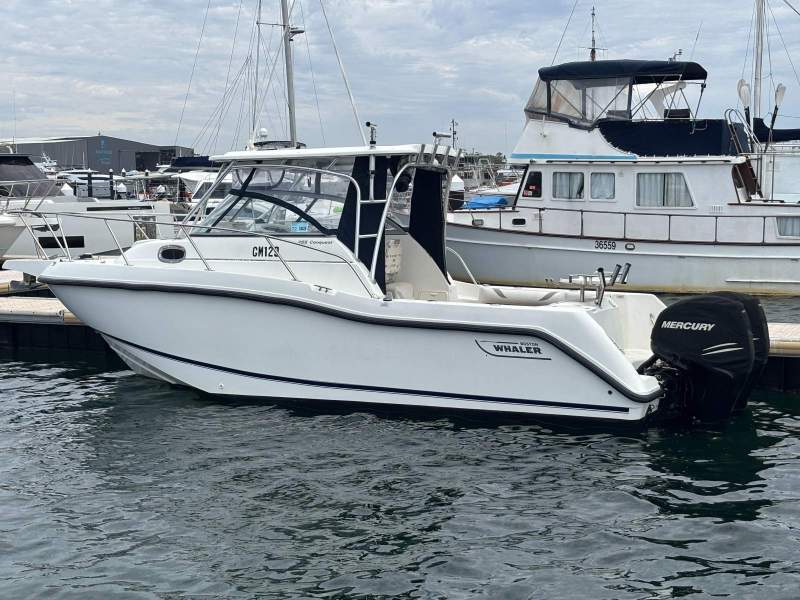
{"x": 568, "y": 186}
{"x": 533, "y": 185}
{"x": 662, "y": 190}
{"x": 788, "y": 226}
{"x": 603, "y": 186}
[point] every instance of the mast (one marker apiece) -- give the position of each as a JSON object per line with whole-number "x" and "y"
{"x": 287, "y": 54}
{"x": 593, "y": 49}
{"x": 758, "y": 58}
{"x": 258, "y": 69}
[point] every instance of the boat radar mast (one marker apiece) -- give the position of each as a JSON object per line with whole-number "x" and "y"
{"x": 593, "y": 48}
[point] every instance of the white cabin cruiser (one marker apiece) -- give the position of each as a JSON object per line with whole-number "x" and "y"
{"x": 26, "y": 196}
{"x": 322, "y": 276}
{"x": 619, "y": 169}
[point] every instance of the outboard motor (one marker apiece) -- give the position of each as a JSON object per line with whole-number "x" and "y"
{"x": 708, "y": 352}
{"x": 760, "y": 329}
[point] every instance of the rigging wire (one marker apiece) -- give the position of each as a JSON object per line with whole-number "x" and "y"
{"x": 241, "y": 107}
{"x": 191, "y": 76}
{"x": 220, "y": 109}
{"x": 769, "y": 54}
{"x": 785, "y": 47}
{"x": 248, "y": 85}
{"x": 311, "y": 69}
{"x": 278, "y": 54}
{"x": 227, "y": 75}
{"x": 696, "y": 39}
{"x": 260, "y": 105}
{"x": 601, "y": 36}
{"x": 563, "y": 33}
{"x": 747, "y": 51}
{"x": 344, "y": 75}
{"x": 786, "y": 2}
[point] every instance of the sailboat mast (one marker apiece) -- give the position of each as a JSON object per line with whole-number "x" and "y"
{"x": 593, "y": 49}
{"x": 287, "y": 53}
{"x": 758, "y": 58}
{"x": 258, "y": 69}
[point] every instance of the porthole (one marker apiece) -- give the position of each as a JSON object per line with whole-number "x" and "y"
{"x": 171, "y": 254}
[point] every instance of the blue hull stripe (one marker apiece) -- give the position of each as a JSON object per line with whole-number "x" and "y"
{"x": 575, "y": 156}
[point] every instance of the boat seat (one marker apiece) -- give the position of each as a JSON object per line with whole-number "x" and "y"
{"x": 522, "y": 296}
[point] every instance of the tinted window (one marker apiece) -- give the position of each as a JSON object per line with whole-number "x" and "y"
{"x": 533, "y": 185}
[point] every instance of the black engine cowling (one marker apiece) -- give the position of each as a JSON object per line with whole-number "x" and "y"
{"x": 708, "y": 352}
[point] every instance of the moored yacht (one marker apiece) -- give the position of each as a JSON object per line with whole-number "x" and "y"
{"x": 322, "y": 276}
{"x": 26, "y": 196}
{"x": 618, "y": 168}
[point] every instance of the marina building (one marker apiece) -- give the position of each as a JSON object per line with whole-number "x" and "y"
{"x": 97, "y": 152}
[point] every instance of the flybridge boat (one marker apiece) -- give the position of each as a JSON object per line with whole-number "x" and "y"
{"x": 619, "y": 169}
{"x": 26, "y": 196}
{"x": 322, "y": 276}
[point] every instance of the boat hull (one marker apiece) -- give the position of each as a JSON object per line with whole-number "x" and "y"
{"x": 276, "y": 346}
{"x": 528, "y": 259}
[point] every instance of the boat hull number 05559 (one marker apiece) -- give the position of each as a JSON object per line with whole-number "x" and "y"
{"x": 265, "y": 251}
{"x": 605, "y": 245}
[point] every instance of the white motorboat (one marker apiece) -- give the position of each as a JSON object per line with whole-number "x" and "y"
{"x": 620, "y": 169}
{"x": 322, "y": 276}
{"x": 26, "y": 196}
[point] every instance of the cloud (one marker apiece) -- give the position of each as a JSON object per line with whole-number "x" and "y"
{"x": 78, "y": 66}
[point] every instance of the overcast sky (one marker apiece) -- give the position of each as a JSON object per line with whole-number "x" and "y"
{"x": 122, "y": 67}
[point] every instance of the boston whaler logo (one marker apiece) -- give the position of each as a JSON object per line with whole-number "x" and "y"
{"x": 688, "y": 325}
{"x": 512, "y": 349}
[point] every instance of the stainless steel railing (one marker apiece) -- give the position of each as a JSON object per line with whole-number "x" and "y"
{"x": 20, "y": 191}
{"x": 185, "y": 229}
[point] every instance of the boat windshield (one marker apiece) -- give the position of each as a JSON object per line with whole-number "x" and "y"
{"x": 282, "y": 199}
{"x": 582, "y": 101}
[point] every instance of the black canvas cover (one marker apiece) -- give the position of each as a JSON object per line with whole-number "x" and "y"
{"x": 188, "y": 163}
{"x": 778, "y": 135}
{"x": 639, "y": 71}
{"x": 370, "y": 215}
{"x": 673, "y": 137}
{"x": 427, "y": 222}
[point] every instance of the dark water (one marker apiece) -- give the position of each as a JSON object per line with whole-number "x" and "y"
{"x": 113, "y": 486}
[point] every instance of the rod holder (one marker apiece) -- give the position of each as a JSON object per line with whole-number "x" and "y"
{"x": 625, "y": 270}
{"x": 615, "y": 275}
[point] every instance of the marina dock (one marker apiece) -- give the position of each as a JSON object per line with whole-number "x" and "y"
{"x": 28, "y": 323}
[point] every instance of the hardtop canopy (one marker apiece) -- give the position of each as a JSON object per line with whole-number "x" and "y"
{"x": 282, "y": 154}
{"x": 639, "y": 71}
